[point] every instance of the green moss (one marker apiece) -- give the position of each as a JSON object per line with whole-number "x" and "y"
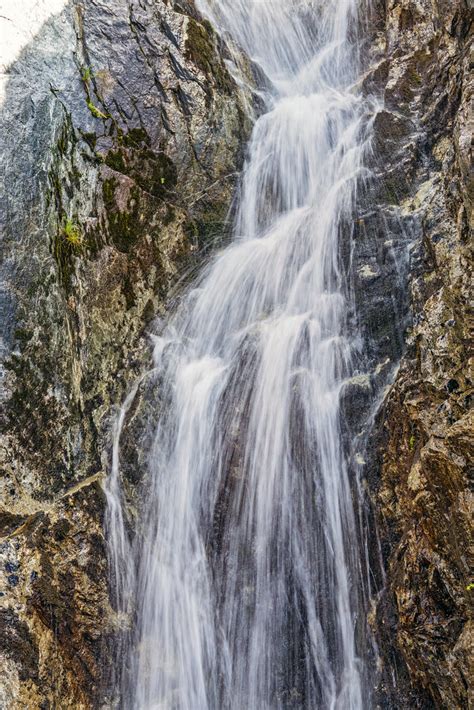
{"x": 68, "y": 243}
{"x": 63, "y": 140}
{"x": 125, "y": 226}
{"x": 108, "y": 192}
{"x": 199, "y": 46}
{"x": 72, "y": 234}
{"x": 96, "y": 112}
{"x": 86, "y": 74}
{"x": 64, "y": 178}
{"x": 22, "y": 335}
{"x": 153, "y": 172}
{"x": 159, "y": 175}
{"x": 200, "y": 49}
{"x": 134, "y": 138}
{"x": 115, "y": 160}
{"x": 415, "y": 78}
{"x": 90, "y": 139}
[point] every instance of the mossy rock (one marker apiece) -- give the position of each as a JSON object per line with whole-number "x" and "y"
{"x": 200, "y": 48}
{"x": 125, "y": 227}
{"x": 153, "y": 172}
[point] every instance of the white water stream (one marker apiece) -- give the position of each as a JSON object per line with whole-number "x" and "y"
{"x": 248, "y": 586}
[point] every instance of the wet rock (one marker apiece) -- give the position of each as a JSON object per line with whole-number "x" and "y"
{"x": 419, "y": 470}
{"x": 356, "y": 400}
{"x": 126, "y": 134}
{"x": 389, "y": 130}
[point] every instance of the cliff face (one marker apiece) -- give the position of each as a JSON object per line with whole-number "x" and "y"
{"x": 424, "y": 428}
{"x": 125, "y": 132}
{"x": 124, "y": 137}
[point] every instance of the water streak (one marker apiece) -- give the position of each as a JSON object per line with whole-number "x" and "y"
{"x": 248, "y": 588}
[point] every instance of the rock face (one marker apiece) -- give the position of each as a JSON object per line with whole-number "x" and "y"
{"x": 424, "y": 428}
{"x": 125, "y": 135}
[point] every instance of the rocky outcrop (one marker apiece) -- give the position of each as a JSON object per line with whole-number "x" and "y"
{"x": 125, "y": 134}
{"x": 424, "y": 429}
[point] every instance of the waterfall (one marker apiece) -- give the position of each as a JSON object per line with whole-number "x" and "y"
{"x": 248, "y": 583}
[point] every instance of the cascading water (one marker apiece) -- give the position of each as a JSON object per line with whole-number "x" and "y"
{"x": 248, "y": 587}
